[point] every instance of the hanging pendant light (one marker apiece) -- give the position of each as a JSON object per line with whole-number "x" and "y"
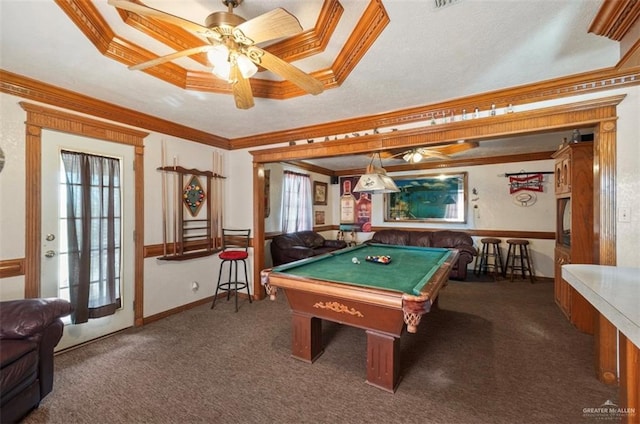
{"x": 376, "y": 180}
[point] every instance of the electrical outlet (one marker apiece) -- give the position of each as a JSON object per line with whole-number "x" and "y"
{"x": 624, "y": 214}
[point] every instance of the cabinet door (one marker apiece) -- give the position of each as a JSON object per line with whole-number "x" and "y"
{"x": 566, "y": 172}
{"x": 562, "y": 290}
{"x": 558, "y": 177}
{"x": 563, "y": 175}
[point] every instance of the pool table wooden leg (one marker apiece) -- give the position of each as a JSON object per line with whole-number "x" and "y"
{"x": 383, "y": 361}
{"x": 306, "y": 337}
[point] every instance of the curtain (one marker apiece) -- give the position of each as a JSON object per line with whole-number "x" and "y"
{"x": 296, "y": 203}
{"x": 93, "y": 234}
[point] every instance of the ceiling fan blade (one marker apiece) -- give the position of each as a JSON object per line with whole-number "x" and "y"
{"x": 430, "y": 153}
{"x": 154, "y": 13}
{"x": 269, "y": 26}
{"x": 450, "y": 149}
{"x": 170, "y": 57}
{"x": 285, "y": 70}
{"x": 241, "y": 89}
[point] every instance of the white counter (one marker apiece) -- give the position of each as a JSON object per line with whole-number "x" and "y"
{"x": 613, "y": 291}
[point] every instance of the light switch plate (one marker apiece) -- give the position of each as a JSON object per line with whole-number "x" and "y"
{"x": 624, "y": 214}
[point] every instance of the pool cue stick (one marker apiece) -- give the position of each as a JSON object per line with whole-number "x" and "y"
{"x": 164, "y": 199}
{"x": 214, "y": 206}
{"x": 175, "y": 209}
{"x": 214, "y": 198}
{"x": 220, "y": 192}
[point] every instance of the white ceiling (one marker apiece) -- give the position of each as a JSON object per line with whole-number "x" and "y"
{"x": 423, "y": 56}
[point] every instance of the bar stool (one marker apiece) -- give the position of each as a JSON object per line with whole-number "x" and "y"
{"x": 490, "y": 258}
{"x": 235, "y": 248}
{"x": 518, "y": 259}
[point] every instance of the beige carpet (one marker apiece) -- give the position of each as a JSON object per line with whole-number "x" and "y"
{"x": 493, "y": 353}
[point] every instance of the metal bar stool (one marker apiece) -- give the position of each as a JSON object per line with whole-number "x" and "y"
{"x": 235, "y": 248}
{"x": 518, "y": 259}
{"x": 490, "y": 258}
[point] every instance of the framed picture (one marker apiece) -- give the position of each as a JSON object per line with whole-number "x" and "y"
{"x": 319, "y": 218}
{"x": 428, "y": 198}
{"x": 320, "y": 193}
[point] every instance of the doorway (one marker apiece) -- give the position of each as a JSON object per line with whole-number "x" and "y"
{"x": 40, "y": 119}
{"x": 54, "y": 278}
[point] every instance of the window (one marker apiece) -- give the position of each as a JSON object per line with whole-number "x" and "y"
{"x": 90, "y": 228}
{"x": 296, "y": 202}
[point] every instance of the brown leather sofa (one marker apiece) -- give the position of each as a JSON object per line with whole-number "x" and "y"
{"x": 444, "y": 238}
{"x": 29, "y": 331}
{"x": 291, "y": 247}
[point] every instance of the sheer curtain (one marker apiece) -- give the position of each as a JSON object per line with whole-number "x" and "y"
{"x": 296, "y": 202}
{"x": 93, "y": 232}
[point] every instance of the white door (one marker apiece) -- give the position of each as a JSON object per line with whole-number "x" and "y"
{"x": 54, "y": 278}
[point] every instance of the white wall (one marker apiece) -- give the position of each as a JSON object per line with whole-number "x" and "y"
{"x": 12, "y": 191}
{"x": 168, "y": 284}
{"x": 628, "y": 179}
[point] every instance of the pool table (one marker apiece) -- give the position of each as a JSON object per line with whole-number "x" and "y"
{"x": 345, "y": 287}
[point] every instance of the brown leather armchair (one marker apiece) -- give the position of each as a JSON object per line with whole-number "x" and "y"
{"x": 291, "y": 247}
{"x": 444, "y": 238}
{"x": 29, "y": 331}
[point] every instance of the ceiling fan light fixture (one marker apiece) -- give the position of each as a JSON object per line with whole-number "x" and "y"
{"x": 246, "y": 66}
{"x": 219, "y": 57}
{"x": 413, "y": 156}
{"x": 218, "y": 54}
{"x": 222, "y": 70}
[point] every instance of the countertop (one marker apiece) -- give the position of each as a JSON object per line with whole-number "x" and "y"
{"x": 614, "y": 291}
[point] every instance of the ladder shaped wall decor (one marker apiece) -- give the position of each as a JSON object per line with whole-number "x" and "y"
{"x": 191, "y": 224}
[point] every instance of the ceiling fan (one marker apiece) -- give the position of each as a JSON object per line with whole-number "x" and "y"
{"x": 443, "y": 152}
{"x": 232, "y": 46}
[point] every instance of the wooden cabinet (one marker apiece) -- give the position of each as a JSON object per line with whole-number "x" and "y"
{"x": 562, "y": 290}
{"x": 574, "y": 227}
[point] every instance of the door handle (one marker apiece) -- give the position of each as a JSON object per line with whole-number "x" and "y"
{"x": 50, "y": 254}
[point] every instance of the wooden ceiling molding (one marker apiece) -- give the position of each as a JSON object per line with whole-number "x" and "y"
{"x": 31, "y": 89}
{"x": 86, "y": 16}
{"x": 313, "y": 41}
{"x": 170, "y": 35}
{"x": 574, "y": 115}
{"x": 615, "y": 18}
{"x": 373, "y": 21}
{"x": 572, "y": 85}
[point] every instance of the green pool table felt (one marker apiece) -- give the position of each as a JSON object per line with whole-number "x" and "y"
{"x": 409, "y": 268}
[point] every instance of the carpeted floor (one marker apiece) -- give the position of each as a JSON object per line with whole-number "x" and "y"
{"x": 494, "y": 352}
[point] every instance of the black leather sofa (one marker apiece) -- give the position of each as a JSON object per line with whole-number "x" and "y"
{"x": 291, "y": 247}
{"x": 29, "y": 331}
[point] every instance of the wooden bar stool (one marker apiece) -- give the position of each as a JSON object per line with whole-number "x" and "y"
{"x": 490, "y": 258}
{"x": 235, "y": 248}
{"x": 518, "y": 259}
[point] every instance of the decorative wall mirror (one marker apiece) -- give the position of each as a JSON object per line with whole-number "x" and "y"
{"x": 438, "y": 198}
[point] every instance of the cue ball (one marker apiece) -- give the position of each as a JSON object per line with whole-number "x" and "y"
{"x": 355, "y": 260}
